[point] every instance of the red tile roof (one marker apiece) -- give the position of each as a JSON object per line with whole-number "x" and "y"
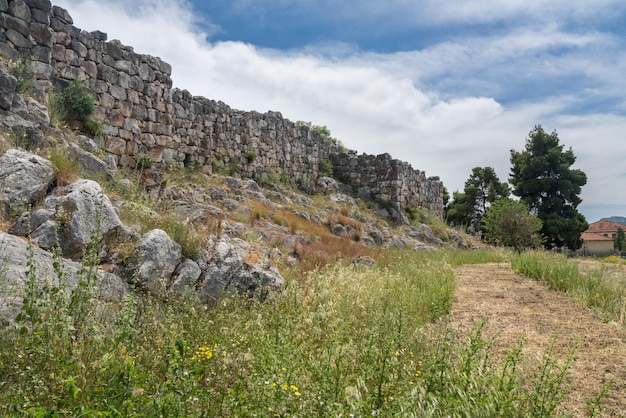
{"x": 592, "y": 236}
{"x": 603, "y": 225}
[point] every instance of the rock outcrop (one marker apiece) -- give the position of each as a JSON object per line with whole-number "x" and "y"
{"x": 24, "y": 180}
{"x": 154, "y": 261}
{"x": 227, "y": 270}
{"x": 19, "y": 260}
{"x": 80, "y": 217}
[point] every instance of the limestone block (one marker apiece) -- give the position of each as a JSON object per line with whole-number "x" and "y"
{"x": 43, "y": 5}
{"x": 20, "y": 9}
{"x": 80, "y": 49}
{"x": 17, "y": 39}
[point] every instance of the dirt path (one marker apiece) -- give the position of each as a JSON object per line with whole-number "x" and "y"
{"x": 515, "y": 306}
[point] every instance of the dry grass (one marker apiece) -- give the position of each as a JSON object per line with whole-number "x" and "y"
{"x": 316, "y": 245}
{"x": 66, "y": 169}
{"x": 330, "y": 249}
{"x": 517, "y": 306}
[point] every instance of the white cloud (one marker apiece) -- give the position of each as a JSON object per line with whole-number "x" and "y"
{"x": 433, "y": 108}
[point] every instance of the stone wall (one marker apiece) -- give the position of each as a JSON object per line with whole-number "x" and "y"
{"x": 145, "y": 116}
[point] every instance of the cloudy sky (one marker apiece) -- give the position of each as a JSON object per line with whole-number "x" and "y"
{"x": 446, "y": 85}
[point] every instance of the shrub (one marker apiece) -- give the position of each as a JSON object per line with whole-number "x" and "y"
{"x": 190, "y": 240}
{"x": 77, "y": 100}
{"x": 94, "y": 127}
{"x": 21, "y": 71}
{"x": 74, "y": 106}
{"x": 327, "y": 169}
{"x": 251, "y": 156}
{"x": 143, "y": 161}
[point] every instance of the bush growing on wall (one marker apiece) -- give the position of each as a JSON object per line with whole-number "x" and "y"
{"x": 75, "y": 105}
{"x": 21, "y": 71}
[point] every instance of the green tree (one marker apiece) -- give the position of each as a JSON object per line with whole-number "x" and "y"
{"x": 620, "y": 240}
{"x": 542, "y": 177}
{"x": 508, "y": 223}
{"x": 482, "y": 188}
{"x": 458, "y": 211}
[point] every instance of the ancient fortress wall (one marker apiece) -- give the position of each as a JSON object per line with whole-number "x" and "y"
{"x": 144, "y": 115}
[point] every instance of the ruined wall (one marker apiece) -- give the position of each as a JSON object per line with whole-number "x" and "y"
{"x": 385, "y": 179}
{"x": 144, "y": 115}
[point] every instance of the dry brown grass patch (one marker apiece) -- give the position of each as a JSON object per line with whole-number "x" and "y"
{"x": 252, "y": 258}
{"x": 329, "y": 249}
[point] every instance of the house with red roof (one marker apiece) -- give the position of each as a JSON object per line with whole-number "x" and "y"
{"x": 599, "y": 238}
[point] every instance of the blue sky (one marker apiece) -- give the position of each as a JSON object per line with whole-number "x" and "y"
{"x": 446, "y": 85}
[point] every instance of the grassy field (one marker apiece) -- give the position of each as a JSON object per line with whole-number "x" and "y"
{"x": 600, "y": 286}
{"x": 338, "y": 341}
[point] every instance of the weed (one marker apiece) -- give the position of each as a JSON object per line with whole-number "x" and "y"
{"x": 143, "y": 161}
{"x": 21, "y": 71}
{"x": 19, "y": 138}
{"x": 66, "y": 168}
{"x": 326, "y": 169}
{"x": 74, "y": 106}
{"x": 259, "y": 211}
{"x": 190, "y": 239}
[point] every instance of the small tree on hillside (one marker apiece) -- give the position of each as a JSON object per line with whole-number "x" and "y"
{"x": 509, "y": 224}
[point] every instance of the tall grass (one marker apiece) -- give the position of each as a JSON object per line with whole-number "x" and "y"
{"x": 66, "y": 169}
{"x": 338, "y": 341}
{"x": 595, "y": 288}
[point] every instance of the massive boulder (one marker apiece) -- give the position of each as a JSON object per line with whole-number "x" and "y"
{"x": 24, "y": 180}
{"x": 154, "y": 262}
{"x": 83, "y": 215}
{"x": 15, "y": 258}
{"x": 230, "y": 268}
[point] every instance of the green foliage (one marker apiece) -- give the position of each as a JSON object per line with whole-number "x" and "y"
{"x": 508, "y": 223}
{"x": 596, "y": 288}
{"x": 74, "y": 106}
{"x": 338, "y": 341}
{"x": 556, "y": 271}
{"x": 75, "y": 101}
{"x": 250, "y": 157}
{"x": 185, "y": 234}
{"x": 19, "y": 138}
{"x": 542, "y": 177}
{"x": 327, "y": 169}
{"x": 446, "y": 197}
{"x": 94, "y": 127}
{"x": 323, "y": 131}
{"x": 143, "y": 161}
{"x": 66, "y": 168}
{"x": 419, "y": 215}
{"x": 481, "y": 189}
{"x": 21, "y": 71}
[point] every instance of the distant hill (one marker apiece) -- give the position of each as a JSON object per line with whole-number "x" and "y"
{"x": 616, "y": 219}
